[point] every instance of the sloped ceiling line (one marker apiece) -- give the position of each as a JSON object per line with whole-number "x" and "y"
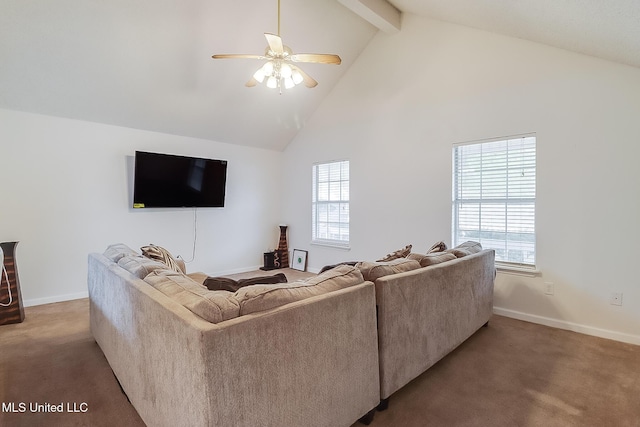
{"x": 380, "y": 13}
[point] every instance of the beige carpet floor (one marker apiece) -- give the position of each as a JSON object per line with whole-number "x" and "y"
{"x": 511, "y": 373}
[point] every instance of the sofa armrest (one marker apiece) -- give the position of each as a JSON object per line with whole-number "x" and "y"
{"x": 152, "y": 343}
{"x": 313, "y": 362}
{"x": 424, "y": 314}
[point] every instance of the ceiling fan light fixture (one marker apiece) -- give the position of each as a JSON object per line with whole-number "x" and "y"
{"x": 296, "y": 77}
{"x": 272, "y": 82}
{"x": 288, "y": 83}
{"x": 279, "y": 70}
{"x": 267, "y": 68}
{"x": 285, "y": 71}
{"x": 259, "y": 75}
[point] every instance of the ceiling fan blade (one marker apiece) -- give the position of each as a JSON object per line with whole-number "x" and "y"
{"x": 251, "y": 83}
{"x": 321, "y": 58}
{"x": 275, "y": 43}
{"x": 308, "y": 80}
{"x": 237, "y": 55}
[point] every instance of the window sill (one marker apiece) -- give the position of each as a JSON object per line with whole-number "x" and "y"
{"x": 517, "y": 270}
{"x": 329, "y": 244}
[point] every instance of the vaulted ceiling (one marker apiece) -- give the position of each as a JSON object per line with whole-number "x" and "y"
{"x": 147, "y": 64}
{"x": 609, "y": 29}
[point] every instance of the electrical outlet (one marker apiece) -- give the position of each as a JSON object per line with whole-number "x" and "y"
{"x": 615, "y": 298}
{"x": 548, "y": 288}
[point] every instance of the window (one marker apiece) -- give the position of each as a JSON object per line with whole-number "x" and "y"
{"x": 330, "y": 207}
{"x": 494, "y": 197}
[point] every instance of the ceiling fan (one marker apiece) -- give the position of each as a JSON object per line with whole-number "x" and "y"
{"x": 280, "y": 70}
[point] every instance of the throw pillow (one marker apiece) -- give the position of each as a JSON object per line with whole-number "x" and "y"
{"x": 159, "y": 253}
{"x": 458, "y": 252}
{"x": 400, "y": 253}
{"x": 473, "y": 247}
{"x": 228, "y": 284}
{"x": 438, "y": 247}
{"x": 466, "y": 248}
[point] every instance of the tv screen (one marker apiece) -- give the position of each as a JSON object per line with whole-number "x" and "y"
{"x": 169, "y": 181}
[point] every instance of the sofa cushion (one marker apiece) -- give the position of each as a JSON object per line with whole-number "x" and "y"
{"x": 432, "y": 258}
{"x": 140, "y": 266}
{"x": 400, "y": 253}
{"x": 198, "y": 277}
{"x": 374, "y": 270}
{"x": 159, "y": 253}
{"x": 213, "y": 306}
{"x": 117, "y": 251}
{"x": 264, "y": 297}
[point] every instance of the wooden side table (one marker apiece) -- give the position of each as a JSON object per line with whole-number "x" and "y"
{"x": 11, "y": 308}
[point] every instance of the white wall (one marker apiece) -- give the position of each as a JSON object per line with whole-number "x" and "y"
{"x": 410, "y": 96}
{"x": 65, "y": 192}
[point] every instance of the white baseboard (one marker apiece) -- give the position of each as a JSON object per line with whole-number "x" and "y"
{"x": 57, "y": 298}
{"x": 236, "y": 271}
{"x": 569, "y": 326}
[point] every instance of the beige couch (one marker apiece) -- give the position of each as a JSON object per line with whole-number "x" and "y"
{"x": 261, "y": 362}
{"x": 426, "y": 312}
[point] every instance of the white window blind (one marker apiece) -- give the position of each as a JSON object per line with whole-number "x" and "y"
{"x": 494, "y": 197}
{"x": 330, "y": 206}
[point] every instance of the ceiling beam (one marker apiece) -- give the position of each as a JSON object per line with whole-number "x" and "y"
{"x": 380, "y": 13}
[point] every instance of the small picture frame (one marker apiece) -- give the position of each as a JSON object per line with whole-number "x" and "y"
{"x": 299, "y": 261}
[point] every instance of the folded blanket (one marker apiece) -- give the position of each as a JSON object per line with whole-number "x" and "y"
{"x": 227, "y": 284}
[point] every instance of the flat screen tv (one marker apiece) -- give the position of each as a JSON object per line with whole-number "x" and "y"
{"x": 169, "y": 181}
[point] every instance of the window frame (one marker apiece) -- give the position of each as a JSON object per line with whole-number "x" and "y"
{"x": 524, "y": 266}
{"x": 318, "y": 201}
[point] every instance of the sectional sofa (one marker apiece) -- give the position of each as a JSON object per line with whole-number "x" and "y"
{"x": 322, "y": 352}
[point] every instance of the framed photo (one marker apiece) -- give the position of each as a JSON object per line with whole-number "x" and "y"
{"x": 299, "y": 261}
